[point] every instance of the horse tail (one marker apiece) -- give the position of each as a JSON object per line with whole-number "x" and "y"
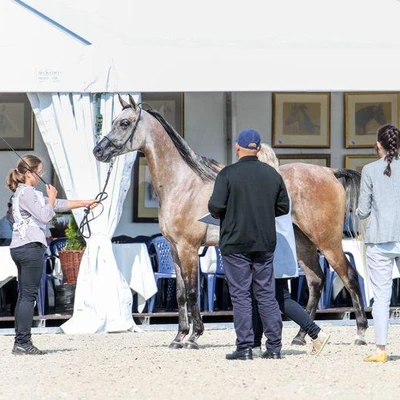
{"x": 351, "y": 181}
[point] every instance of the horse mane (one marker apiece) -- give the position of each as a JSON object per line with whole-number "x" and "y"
{"x": 205, "y": 168}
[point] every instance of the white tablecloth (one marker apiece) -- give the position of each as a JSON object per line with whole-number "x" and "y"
{"x": 134, "y": 263}
{"x": 355, "y": 247}
{"x": 208, "y": 263}
{"x": 8, "y": 270}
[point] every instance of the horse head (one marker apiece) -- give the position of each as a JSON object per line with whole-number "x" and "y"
{"x": 296, "y": 114}
{"x": 379, "y": 114}
{"x": 126, "y": 132}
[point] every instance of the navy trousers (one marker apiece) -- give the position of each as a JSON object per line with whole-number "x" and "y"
{"x": 247, "y": 272}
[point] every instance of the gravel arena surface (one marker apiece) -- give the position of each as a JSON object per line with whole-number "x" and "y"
{"x": 140, "y": 366}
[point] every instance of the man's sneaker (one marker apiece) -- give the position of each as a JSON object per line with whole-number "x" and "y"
{"x": 319, "y": 343}
{"x": 26, "y": 348}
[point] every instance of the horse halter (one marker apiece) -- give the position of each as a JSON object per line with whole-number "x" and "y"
{"x": 130, "y": 137}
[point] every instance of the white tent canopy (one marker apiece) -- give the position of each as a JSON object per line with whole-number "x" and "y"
{"x": 310, "y": 45}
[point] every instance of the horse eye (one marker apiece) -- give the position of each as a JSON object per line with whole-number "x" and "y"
{"x": 125, "y": 123}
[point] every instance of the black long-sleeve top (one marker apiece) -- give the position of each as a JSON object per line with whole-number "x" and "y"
{"x": 247, "y": 197}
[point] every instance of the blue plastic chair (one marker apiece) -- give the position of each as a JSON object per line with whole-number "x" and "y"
{"x": 47, "y": 275}
{"x": 333, "y": 275}
{"x": 160, "y": 252}
{"x": 211, "y": 278}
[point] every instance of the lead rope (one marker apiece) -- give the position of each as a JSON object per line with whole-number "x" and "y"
{"x": 100, "y": 197}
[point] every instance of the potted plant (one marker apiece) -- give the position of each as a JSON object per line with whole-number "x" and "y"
{"x": 71, "y": 255}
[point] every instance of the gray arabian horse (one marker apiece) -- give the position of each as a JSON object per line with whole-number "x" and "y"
{"x": 184, "y": 182}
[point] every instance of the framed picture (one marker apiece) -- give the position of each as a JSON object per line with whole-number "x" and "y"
{"x": 324, "y": 160}
{"x": 145, "y": 200}
{"x": 169, "y": 105}
{"x": 16, "y": 121}
{"x": 365, "y": 113}
{"x": 357, "y": 162}
{"x": 301, "y": 120}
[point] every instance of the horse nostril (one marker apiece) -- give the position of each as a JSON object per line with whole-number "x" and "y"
{"x": 98, "y": 151}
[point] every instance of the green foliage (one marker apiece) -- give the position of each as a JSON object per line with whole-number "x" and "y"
{"x": 75, "y": 240}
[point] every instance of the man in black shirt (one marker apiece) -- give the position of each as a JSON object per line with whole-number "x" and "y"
{"x": 247, "y": 197}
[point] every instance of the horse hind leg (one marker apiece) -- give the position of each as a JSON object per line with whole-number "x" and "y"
{"x": 309, "y": 261}
{"x": 349, "y": 277}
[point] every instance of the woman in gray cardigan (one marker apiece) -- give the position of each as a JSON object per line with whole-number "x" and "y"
{"x": 31, "y": 211}
{"x": 379, "y": 200}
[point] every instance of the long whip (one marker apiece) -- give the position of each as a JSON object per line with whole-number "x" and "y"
{"x": 28, "y": 166}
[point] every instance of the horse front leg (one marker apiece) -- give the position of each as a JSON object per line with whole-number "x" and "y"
{"x": 183, "y": 327}
{"x": 190, "y": 269}
{"x": 350, "y": 281}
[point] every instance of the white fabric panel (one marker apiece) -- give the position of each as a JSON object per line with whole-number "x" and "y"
{"x": 103, "y": 300}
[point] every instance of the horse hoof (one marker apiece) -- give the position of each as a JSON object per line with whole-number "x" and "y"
{"x": 298, "y": 342}
{"x": 360, "y": 342}
{"x": 191, "y": 345}
{"x": 175, "y": 345}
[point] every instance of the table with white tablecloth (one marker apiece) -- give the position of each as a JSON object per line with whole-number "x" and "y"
{"x": 8, "y": 269}
{"x": 356, "y": 247}
{"x": 134, "y": 263}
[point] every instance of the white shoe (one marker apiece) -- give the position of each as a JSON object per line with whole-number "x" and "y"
{"x": 319, "y": 343}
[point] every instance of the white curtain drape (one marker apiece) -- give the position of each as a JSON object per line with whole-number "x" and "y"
{"x": 103, "y": 299}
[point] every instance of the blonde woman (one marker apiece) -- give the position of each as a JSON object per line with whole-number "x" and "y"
{"x": 285, "y": 267}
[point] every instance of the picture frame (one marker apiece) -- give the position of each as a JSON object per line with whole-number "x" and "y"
{"x": 301, "y": 120}
{"x": 356, "y": 162}
{"x": 365, "y": 113}
{"x": 145, "y": 202}
{"x": 323, "y": 160}
{"x": 169, "y": 105}
{"x": 16, "y": 122}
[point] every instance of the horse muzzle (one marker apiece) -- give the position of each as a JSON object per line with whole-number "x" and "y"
{"x": 101, "y": 154}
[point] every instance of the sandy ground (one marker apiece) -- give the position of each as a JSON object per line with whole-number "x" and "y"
{"x": 140, "y": 366}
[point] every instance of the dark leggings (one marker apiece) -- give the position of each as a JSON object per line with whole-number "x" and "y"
{"x": 288, "y": 307}
{"x": 29, "y": 260}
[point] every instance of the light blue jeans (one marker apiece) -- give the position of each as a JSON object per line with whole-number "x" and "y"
{"x": 380, "y": 266}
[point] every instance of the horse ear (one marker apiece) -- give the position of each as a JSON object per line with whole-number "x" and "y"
{"x": 132, "y": 102}
{"x": 122, "y": 101}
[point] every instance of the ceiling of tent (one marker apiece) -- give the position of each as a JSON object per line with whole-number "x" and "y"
{"x": 309, "y": 45}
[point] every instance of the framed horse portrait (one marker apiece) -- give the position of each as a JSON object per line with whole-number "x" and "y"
{"x": 145, "y": 200}
{"x": 323, "y": 160}
{"x": 169, "y": 105}
{"x": 16, "y": 121}
{"x": 357, "y": 161}
{"x": 365, "y": 113}
{"x": 301, "y": 120}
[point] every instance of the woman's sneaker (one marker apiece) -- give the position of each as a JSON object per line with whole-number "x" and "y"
{"x": 26, "y": 348}
{"x": 319, "y": 343}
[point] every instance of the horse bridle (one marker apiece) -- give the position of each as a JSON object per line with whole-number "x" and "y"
{"x": 130, "y": 137}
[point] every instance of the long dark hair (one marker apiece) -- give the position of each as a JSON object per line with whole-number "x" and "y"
{"x": 389, "y": 138}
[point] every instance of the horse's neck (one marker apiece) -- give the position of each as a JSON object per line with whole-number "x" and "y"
{"x": 166, "y": 166}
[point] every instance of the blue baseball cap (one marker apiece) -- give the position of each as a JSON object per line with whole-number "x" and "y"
{"x": 249, "y": 139}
